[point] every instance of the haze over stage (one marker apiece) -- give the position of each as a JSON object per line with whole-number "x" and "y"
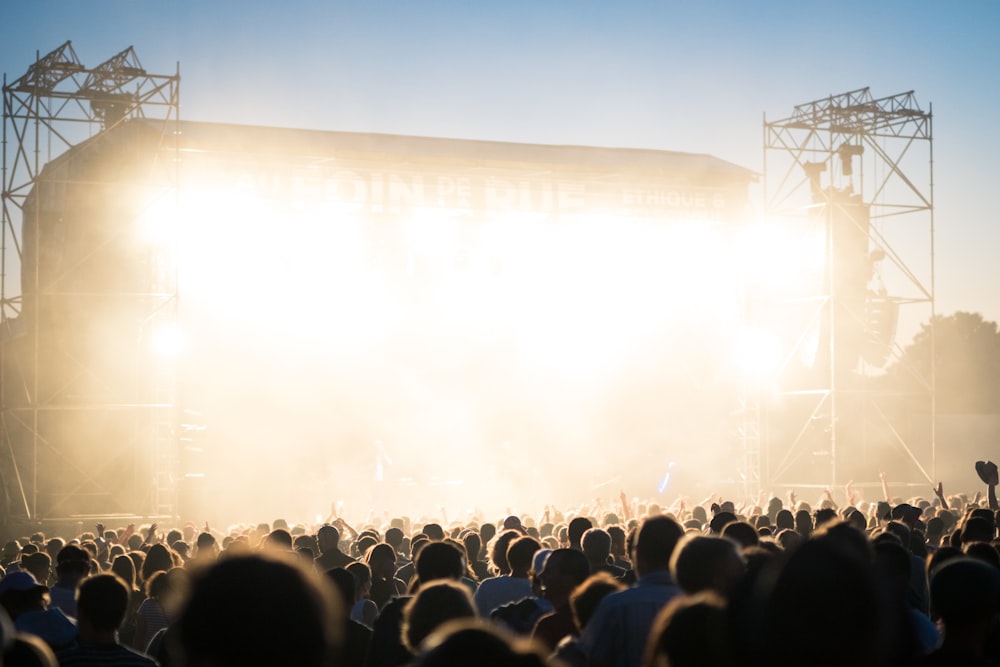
{"x": 492, "y": 310}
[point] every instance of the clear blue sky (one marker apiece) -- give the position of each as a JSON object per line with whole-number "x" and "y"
{"x": 686, "y": 76}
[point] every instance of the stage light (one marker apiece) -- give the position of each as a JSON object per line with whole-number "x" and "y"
{"x": 847, "y": 152}
{"x": 813, "y": 171}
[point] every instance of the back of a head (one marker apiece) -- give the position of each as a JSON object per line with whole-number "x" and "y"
{"x": 291, "y": 614}
{"x": 466, "y": 642}
{"x": 977, "y": 529}
{"x": 364, "y": 544}
{"x": 102, "y": 601}
{"x": 935, "y": 528}
{"x": 433, "y": 605}
{"x": 824, "y": 584}
{"x": 654, "y": 544}
{"x": 804, "y": 522}
{"x": 742, "y": 533}
{"x": 823, "y": 515}
{"x": 894, "y": 565}
{"x": 585, "y": 597}
{"x": 72, "y": 562}
{"x": 690, "y": 632}
{"x": 706, "y": 563}
{"x": 394, "y": 537}
{"x": 279, "y": 538}
{"x": 596, "y": 544}
{"x": 570, "y": 563}
{"x": 487, "y": 532}
{"x": 439, "y": 560}
{"x": 784, "y": 519}
{"x": 520, "y": 553}
{"x": 964, "y": 592}
{"x": 205, "y": 540}
{"x": 345, "y": 583}
{"x": 39, "y": 564}
{"x": 433, "y": 531}
{"x": 27, "y": 650}
{"x": 327, "y": 537}
{"x": 361, "y": 572}
{"x": 379, "y": 552}
{"x": 158, "y": 559}
{"x": 577, "y": 527}
{"x": 498, "y": 549}
{"x": 720, "y": 520}
{"x": 513, "y": 522}
{"x": 473, "y": 544}
{"x": 983, "y": 551}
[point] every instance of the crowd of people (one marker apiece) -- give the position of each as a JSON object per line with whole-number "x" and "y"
{"x": 897, "y": 581}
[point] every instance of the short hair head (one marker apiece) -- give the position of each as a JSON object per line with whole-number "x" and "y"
{"x": 102, "y": 601}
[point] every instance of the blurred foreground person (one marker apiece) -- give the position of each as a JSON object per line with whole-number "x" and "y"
{"x": 257, "y": 611}
{"x": 469, "y": 642}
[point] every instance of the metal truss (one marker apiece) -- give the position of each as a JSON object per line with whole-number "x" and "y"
{"x": 860, "y": 167}
{"x": 59, "y": 107}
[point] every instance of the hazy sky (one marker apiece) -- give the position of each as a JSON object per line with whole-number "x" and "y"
{"x": 685, "y": 76}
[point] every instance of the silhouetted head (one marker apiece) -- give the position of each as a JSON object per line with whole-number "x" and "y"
{"x": 690, "y": 632}
{"x": 596, "y": 545}
{"x": 742, "y": 533}
{"x": 439, "y": 560}
{"x": 564, "y": 570}
{"x": 260, "y": 610}
{"x": 433, "y": 605}
{"x": 102, "y": 601}
{"x": 654, "y": 544}
{"x": 577, "y": 527}
{"x": 585, "y": 597}
{"x": 707, "y": 563}
{"x": 470, "y": 642}
{"x": 520, "y": 553}
{"x": 964, "y": 593}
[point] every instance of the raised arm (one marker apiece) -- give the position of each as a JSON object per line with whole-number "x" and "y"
{"x": 885, "y": 487}
{"x": 626, "y": 507}
{"x": 828, "y": 497}
{"x": 991, "y": 485}
{"x": 939, "y": 492}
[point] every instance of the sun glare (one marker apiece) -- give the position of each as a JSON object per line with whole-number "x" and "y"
{"x": 425, "y": 326}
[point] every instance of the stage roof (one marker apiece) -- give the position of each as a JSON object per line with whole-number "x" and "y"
{"x": 255, "y": 139}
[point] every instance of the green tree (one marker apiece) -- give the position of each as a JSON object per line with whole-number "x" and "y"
{"x": 966, "y": 363}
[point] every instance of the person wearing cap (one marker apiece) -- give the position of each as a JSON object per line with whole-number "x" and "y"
{"x": 26, "y": 601}
{"x": 987, "y": 471}
{"x": 907, "y": 513}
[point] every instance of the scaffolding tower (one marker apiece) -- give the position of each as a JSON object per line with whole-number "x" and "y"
{"x": 86, "y": 430}
{"x": 859, "y": 169}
